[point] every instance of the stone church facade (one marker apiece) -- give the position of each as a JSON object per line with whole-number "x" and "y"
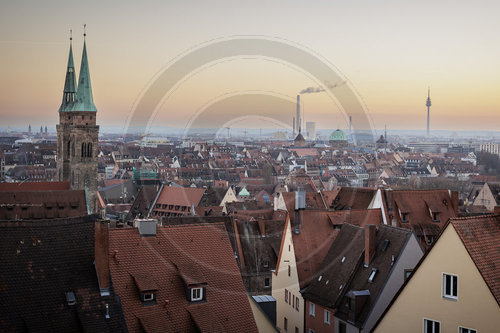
{"x": 77, "y": 132}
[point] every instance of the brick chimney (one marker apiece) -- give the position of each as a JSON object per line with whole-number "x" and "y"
{"x": 454, "y": 201}
{"x": 370, "y": 237}
{"x": 101, "y": 244}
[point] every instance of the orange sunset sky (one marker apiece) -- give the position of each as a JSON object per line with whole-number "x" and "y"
{"x": 389, "y": 51}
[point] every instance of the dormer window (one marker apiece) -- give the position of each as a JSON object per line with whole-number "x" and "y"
{"x": 148, "y": 297}
{"x": 196, "y": 294}
{"x": 404, "y": 217}
{"x": 435, "y": 217}
{"x": 147, "y": 288}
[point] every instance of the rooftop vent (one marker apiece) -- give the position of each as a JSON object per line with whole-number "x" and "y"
{"x": 146, "y": 227}
{"x": 70, "y": 298}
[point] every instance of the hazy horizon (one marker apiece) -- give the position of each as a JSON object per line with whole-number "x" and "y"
{"x": 389, "y": 51}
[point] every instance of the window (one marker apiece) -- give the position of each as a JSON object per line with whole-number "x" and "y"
{"x": 285, "y": 324}
{"x": 312, "y": 309}
{"x": 266, "y": 282}
{"x": 342, "y": 327}
{"x": 296, "y": 329}
{"x": 466, "y": 330}
{"x": 350, "y": 304}
{"x": 450, "y": 286}
{"x": 431, "y": 326}
{"x": 196, "y": 294}
{"x": 327, "y": 317}
{"x": 286, "y": 296}
{"x": 289, "y": 270}
{"x": 407, "y": 273}
{"x": 297, "y": 301}
{"x": 435, "y": 217}
{"x": 148, "y": 297}
{"x": 372, "y": 275}
{"x": 266, "y": 263}
{"x": 404, "y": 217}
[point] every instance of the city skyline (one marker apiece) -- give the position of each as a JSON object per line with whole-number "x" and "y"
{"x": 389, "y": 58}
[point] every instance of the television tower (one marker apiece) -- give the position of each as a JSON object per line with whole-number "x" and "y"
{"x": 428, "y": 103}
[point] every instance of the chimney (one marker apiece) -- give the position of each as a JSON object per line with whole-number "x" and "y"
{"x": 496, "y": 210}
{"x": 370, "y": 237}
{"x": 146, "y": 227}
{"x": 101, "y": 245}
{"x": 454, "y": 201}
{"x": 262, "y": 227}
{"x": 298, "y": 120}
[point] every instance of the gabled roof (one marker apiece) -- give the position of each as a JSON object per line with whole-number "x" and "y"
{"x": 24, "y": 205}
{"x": 333, "y": 275}
{"x": 312, "y": 243}
{"x": 166, "y": 257}
{"x": 419, "y": 205}
{"x": 345, "y": 272}
{"x": 180, "y": 196}
{"x": 353, "y": 198}
{"x": 34, "y": 186}
{"x": 481, "y": 237}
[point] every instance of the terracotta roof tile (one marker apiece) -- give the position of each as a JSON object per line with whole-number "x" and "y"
{"x": 164, "y": 256}
{"x": 481, "y": 237}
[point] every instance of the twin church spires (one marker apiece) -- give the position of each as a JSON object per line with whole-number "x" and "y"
{"x": 77, "y": 132}
{"x": 77, "y": 99}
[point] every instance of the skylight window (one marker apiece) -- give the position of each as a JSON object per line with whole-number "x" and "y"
{"x": 385, "y": 245}
{"x": 372, "y": 275}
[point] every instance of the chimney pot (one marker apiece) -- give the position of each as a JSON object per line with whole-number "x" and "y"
{"x": 370, "y": 238}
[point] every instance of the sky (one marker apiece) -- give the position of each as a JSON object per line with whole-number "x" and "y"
{"x": 389, "y": 52}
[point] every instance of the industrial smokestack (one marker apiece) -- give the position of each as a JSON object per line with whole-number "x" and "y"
{"x": 293, "y": 128}
{"x": 299, "y": 120}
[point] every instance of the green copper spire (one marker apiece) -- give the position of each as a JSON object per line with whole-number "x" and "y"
{"x": 69, "y": 84}
{"x": 84, "y": 100}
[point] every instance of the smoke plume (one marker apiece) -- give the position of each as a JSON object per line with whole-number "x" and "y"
{"x": 314, "y": 90}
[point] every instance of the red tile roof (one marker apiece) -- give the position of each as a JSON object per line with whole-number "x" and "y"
{"x": 481, "y": 237}
{"x": 34, "y": 186}
{"x": 31, "y": 205}
{"x": 180, "y": 196}
{"x": 170, "y": 258}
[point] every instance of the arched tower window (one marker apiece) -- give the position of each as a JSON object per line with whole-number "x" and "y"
{"x": 84, "y": 146}
{"x": 89, "y": 149}
{"x": 73, "y": 149}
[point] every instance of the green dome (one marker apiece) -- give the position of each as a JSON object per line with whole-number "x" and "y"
{"x": 338, "y": 135}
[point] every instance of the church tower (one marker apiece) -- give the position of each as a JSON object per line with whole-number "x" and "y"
{"x": 77, "y": 132}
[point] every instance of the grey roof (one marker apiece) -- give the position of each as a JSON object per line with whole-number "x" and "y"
{"x": 69, "y": 83}
{"x": 342, "y": 271}
{"x": 264, "y": 298}
{"x": 84, "y": 99}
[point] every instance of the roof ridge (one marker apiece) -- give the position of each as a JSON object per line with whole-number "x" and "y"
{"x": 477, "y": 217}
